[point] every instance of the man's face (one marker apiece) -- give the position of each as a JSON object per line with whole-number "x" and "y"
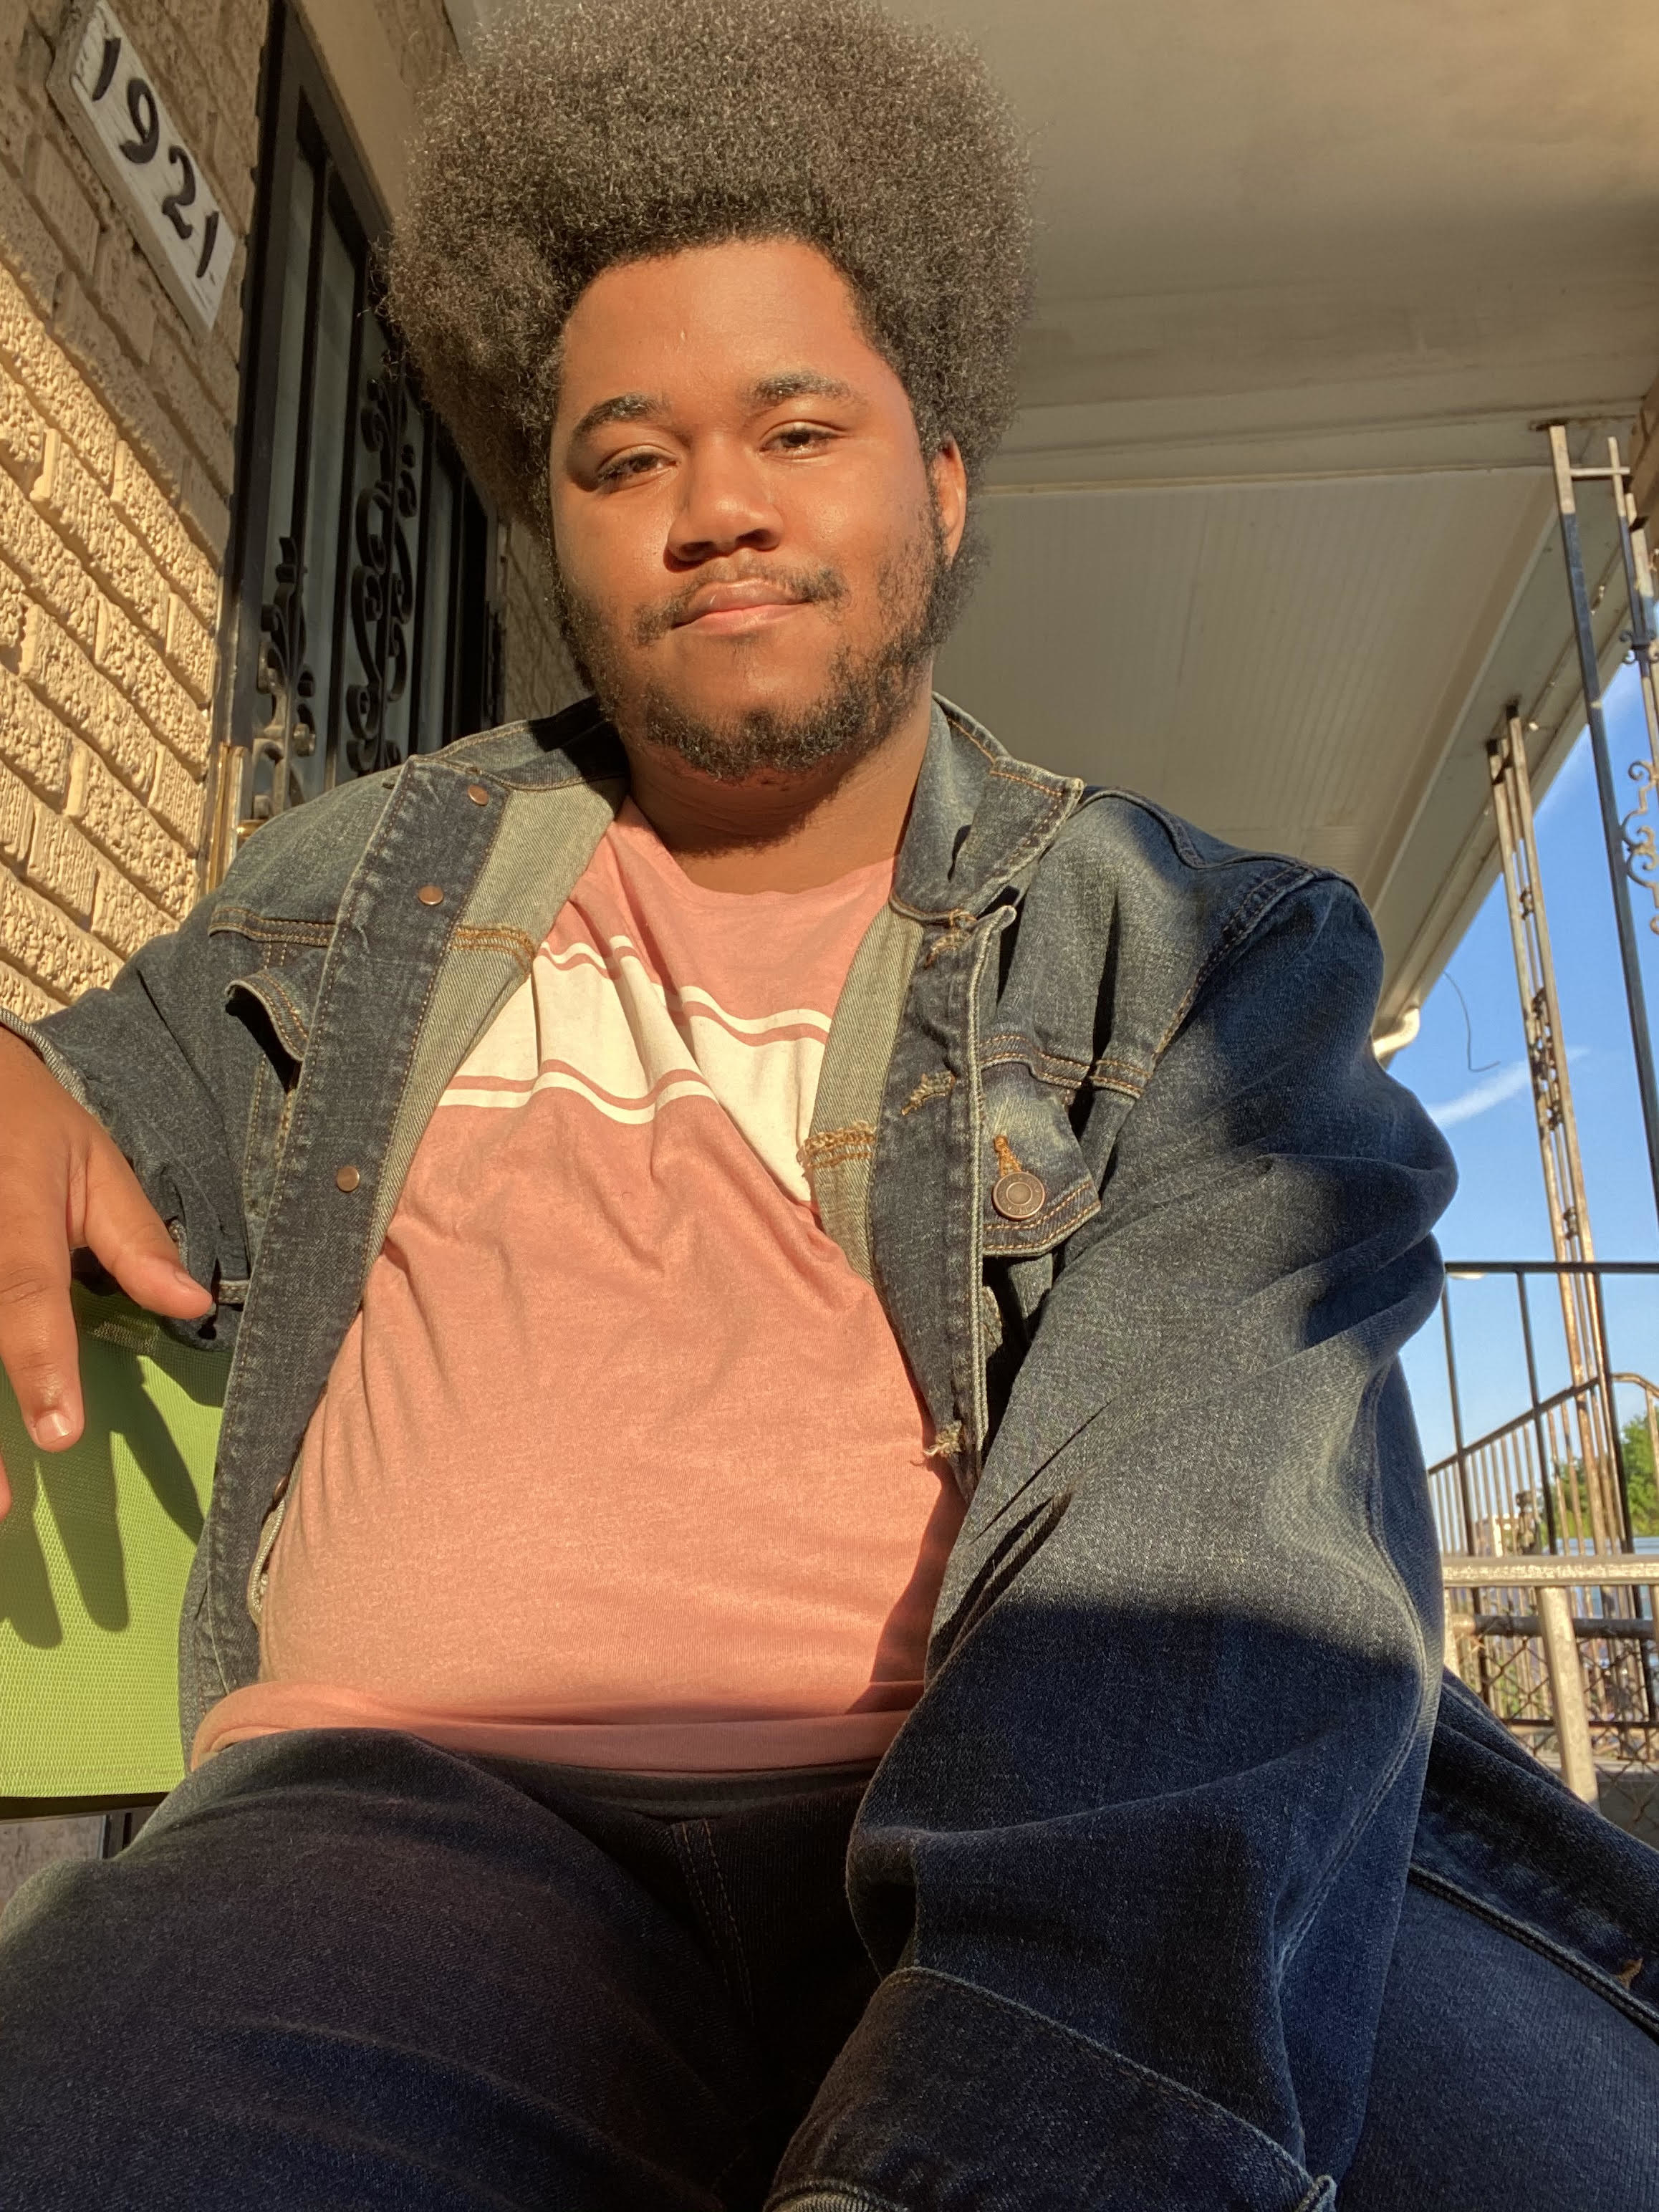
{"x": 752, "y": 546}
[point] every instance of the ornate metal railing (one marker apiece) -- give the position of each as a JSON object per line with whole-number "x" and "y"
{"x": 366, "y": 626}
{"x": 1543, "y": 1520}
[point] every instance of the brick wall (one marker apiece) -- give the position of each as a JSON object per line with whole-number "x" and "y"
{"x": 420, "y": 36}
{"x": 116, "y": 446}
{"x": 117, "y": 428}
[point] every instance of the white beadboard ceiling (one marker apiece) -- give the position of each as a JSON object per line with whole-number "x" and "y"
{"x": 1235, "y": 648}
{"x": 1270, "y": 539}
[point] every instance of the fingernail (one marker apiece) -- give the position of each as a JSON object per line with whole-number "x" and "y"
{"x": 53, "y": 1428}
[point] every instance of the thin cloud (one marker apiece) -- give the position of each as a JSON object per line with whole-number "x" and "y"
{"x": 1481, "y": 1097}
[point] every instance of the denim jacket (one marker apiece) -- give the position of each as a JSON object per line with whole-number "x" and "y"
{"x": 1132, "y": 1868}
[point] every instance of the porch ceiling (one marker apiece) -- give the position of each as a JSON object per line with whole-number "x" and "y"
{"x": 1269, "y": 540}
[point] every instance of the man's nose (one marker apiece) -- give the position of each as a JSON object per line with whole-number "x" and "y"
{"x": 725, "y": 504}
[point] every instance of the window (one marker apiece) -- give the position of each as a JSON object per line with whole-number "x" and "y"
{"x": 366, "y": 625}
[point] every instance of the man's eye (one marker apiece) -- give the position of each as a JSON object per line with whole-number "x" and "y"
{"x": 625, "y": 465}
{"x": 800, "y": 437}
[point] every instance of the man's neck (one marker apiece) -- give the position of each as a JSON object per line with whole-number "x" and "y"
{"x": 784, "y": 833}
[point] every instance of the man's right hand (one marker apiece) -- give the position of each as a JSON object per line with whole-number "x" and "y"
{"x": 62, "y": 1184}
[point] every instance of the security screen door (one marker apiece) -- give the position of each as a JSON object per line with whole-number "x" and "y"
{"x": 366, "y": 625}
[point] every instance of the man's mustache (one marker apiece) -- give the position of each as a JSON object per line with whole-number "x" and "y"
{"x": 824, "y": 585}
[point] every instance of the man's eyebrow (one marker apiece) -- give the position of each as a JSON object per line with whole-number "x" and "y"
{"x": 798, "y": 384}
{"x": 626, "y": 407}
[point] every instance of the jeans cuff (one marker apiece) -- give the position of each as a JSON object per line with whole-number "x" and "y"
{"x": 945, "y": 2097}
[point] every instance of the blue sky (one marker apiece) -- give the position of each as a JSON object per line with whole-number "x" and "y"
{"x": 1472, "y": 1075}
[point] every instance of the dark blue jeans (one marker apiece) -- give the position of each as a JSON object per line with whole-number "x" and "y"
{"x": 345, "y": 1970}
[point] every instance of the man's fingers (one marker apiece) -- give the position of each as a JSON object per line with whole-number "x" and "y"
{"x": 38, "y": 1344}
{"x": 37, "y": 1326}
{"x": 63, "y": 1183}
{"x": 129, "y": 1237}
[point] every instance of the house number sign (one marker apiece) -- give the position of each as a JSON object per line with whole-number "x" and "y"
{"x": 109, "y": 100}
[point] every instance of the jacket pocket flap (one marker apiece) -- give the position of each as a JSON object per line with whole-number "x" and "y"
{"x": 1037, "y": 1185}
{"x": 287, "y": 1003}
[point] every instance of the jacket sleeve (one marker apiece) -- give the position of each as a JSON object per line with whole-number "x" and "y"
{"x": 1133, "y": 1867}
{"x": 156, "y": 1060}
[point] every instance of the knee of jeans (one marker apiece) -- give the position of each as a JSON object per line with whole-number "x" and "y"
{"x": 60, "y": 1886}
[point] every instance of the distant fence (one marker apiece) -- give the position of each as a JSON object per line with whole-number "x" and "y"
{"x": 1552, "y": 1593}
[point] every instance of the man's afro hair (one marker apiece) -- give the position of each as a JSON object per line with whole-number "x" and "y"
{"x": 619, "y": 130}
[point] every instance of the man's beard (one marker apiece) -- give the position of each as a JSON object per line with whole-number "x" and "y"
{"x": 864, "y": 697}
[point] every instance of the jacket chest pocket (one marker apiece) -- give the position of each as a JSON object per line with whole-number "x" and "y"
{"x": 1037, "y": 1186}
{"x": 274, "y": 1004}
{"x": 1036, "y": 1190}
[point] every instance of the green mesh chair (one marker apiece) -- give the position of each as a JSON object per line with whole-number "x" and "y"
{"x": 93, "y": 1556}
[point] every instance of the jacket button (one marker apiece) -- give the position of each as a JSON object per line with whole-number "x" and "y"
{"x": 478, "y": 795}
{"x": 346, "y": 1178}
{"x": 1018, "y": 1196}
{"x": 430, "y": 894}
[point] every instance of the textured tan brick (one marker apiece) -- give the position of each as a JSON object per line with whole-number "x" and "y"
{"x": 29, "y": 247}
{"x": 204, "y": 514}
{"x": 144, "y": 505}
{"x": 23, "y": 998}
{"x": 52, "y": 573}
{"x": 22, "y": 433}
{"x": 19, "y": 121}
{"x": 71, "y": 499}
{"x": 123, "y": 917}
{"x": 129, "y": 658}
{"x": 67, "y": 210}
{"x": 242, "y": 40}
{"x": 16, "y": 817}
{"x": 33, "y": 740}
{"x": 122, "y": 827}
{"x": 35, "y": 56}
{"x": 52, "y": 381}
{"x": 127, "y": 294}
{"x": 178, "y": 798}
{"x": 58, "y": 669}
{"x": 215, "y": 363}
{"x": 124, "y": 391}
{"x": 234, "y": 145}
{"x": 62, "y": 864}
{"x": 171, "y": 54}
{"x": 193, "y": 408}
{"x": 189, "y": 650}
{"x": 14, "y": 614}
{"x": 47, "y": 946}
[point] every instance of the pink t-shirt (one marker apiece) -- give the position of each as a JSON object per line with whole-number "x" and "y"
{"x": 620, "y": 1464}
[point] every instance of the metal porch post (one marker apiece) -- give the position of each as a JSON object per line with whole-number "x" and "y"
{"x": 1612, "y": 830}
{"x": 1557, "y": 1131}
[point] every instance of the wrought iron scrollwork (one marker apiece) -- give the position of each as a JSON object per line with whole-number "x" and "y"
{"x": 1640, "y": 832}
{"x": 382, "y": 588}
{"x": 1638, "y": 829}
{"x": 290, "y": 732}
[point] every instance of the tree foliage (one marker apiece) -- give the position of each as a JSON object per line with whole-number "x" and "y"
{"x": 1640, "y": 1475}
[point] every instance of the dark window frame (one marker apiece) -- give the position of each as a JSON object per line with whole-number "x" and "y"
{"x": 259, "y": 701}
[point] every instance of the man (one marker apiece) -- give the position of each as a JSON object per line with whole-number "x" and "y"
{"x": 796, "y": 1277}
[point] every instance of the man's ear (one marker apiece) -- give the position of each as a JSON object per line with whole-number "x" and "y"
{"x": 950, "y": 476}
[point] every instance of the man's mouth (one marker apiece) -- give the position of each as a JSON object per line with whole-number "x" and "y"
{"x": 736, "y": 606}
{"x": 731, "y": 607}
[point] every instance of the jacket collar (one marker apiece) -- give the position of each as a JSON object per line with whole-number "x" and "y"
{"x": 979, "y": 820}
